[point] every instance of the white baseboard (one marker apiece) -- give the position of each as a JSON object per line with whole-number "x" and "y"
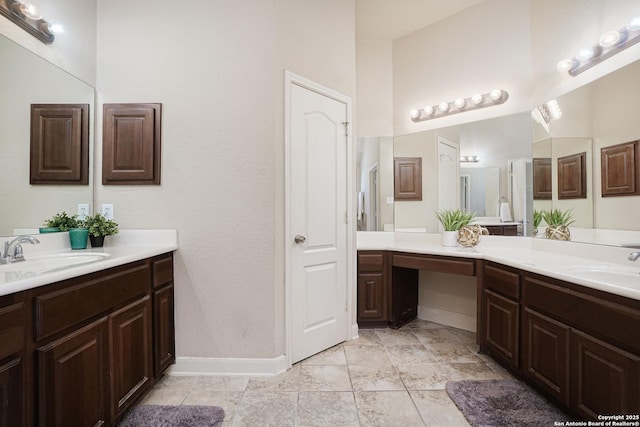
{"x": 449, "y": 318}
{"x": 228, "y": 366}
{"x": 354, "y": 331}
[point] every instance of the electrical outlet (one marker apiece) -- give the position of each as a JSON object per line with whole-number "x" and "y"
{"x": 83, "y": 210}
{"x": 107, "y": 210}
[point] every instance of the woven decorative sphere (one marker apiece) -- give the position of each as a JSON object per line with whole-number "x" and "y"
{"x": 558, "y": 232}
{"x": 469, "y": 235}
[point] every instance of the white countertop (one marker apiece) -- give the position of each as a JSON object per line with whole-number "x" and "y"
{"x": 594, "y": 266}
{"x": 125, "y": 247}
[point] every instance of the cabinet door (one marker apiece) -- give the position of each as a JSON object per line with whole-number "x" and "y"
{"x": 11, "y": 393}
{"x": 371, "y": 298}
{"x": 545, "y": 353}
{"x": 131, "y": 357}
{"x": 501, "y": 327}
{"x": 604, "y": 378}
{"x": 73, "y": 378}
{"x": 164, "y": 329}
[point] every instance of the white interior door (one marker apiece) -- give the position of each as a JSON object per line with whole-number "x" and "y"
{"x": 317, "y": 222}
{"x": 448, "y": 172}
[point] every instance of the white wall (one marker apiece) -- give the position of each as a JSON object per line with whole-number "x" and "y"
{"x": 219, "y": 73}
{"x": 374, "y": 79}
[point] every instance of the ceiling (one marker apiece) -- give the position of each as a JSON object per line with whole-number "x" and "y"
{"x": 393, "y": 19}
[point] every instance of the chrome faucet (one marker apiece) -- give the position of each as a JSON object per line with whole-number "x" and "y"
{"x": 13, "y": 249}
{"x": 634, "y": 255}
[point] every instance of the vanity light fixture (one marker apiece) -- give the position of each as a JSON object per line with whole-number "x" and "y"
{"x": 495, "y": 97}
{"x": 469, "y": 159}
{"x": 610, "y": 43}
{"x": 28, "y": 17}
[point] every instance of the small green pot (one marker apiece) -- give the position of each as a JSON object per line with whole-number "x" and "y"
{"x": 78, "y": 237}
{"x": 43, "y": 230}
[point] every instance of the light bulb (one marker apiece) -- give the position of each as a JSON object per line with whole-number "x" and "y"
{"x": 495, "y": 94}
{"x": 428, "y": 110}
{"x": 460, "y": 103}
{"x": 567, "y": 65}
{"x": 477, "y": 99}
{"x": 415, "y": 114}
{"x": 634, "y": 24}
{"x": 56, "y": 28}
{"x": 443, "y": 107}
{"x": 30, "y": 11}
{"x": 611, "y": 38}
{"x": 586, "y": 53}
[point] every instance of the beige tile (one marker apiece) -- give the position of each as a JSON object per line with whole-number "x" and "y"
{"x": 327, "y": 409}
{"x": 176, "y": 382}
{"x": 165, "y": 397}
{"x": 324, "y": 378}
{"x": 472, "y": 371}
{"x": 434, "y": 336}
{"x": 221, "y": 383}
{"x": 332, "y": 356}
{"x": 367, "y": 355}
{"x": 286, "y": 381}
{"x": 502, "y": 372}
{"x": 424, "y": 376}
{"x": 401, "y": 354}
{"x": 395, "y": 337}
{"x": 437, "y": 409}
{"x": 387, "y": 408}
{"x": 463, "y": 336}
{"x": 268, "y": 408}
{"x": 372, "y": 378}
{"x": 365, "y": 337}
{"x": 424, "y": 324}
{"x": 227, "y": 400}
{"x": 452, "y": 353}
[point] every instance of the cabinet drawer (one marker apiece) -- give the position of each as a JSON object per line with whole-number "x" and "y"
{"x": 162, "y": 268}
{"x": 12, "y": 325}
{"x": 601, "y": 317}
{"x": 503, "y": 281}
{"x": 83, "y": 298}
{"x": 370, "y": 261}
{"x": 435, "y": 263}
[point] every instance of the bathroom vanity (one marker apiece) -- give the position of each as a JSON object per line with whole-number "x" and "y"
{"x": 560, "y": 323}
{"x": 82, "y": 350}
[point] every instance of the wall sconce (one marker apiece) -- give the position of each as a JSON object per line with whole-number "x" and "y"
{"x": 611, "y": 43}
{"x": 495, "y": 97}
{"x": 27, "y": 16}
{"x": 469, "y": 159}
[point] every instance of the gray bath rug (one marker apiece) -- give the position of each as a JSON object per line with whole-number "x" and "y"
{"x": 173, "y": 416}
{"x": 490, "y": 403}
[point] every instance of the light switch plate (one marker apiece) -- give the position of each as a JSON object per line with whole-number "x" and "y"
{"x": 83, "y": 210}
{"x": 389, "y": 200}
{"x": 107, "y": 210}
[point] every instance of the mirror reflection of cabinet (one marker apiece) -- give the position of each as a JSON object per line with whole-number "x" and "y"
{"x": 407, "y": 178}
{"x": 620, "y": 174}
{"x": 542, "y": 178}
{"x": 572, "y": 176}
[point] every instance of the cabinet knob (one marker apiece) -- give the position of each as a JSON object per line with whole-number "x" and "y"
{"x": 299, "y": 239}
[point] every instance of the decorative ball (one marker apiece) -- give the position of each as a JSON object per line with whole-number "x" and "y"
{"x": 558, "y": 232}
{"x": 469, "y": 235}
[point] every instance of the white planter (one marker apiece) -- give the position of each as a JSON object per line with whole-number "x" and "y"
{"x": 450, "y": 238}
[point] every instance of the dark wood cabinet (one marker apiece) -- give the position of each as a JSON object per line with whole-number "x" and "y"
{"x": 572, "y": 176}
{"x": 131, "y": 353}
{"x": 502, "y": 230}
{"x": 404, "y": 296}
{"x": 407, "y": 178}
{"x": 604, "y": 378}
{"x": 620, "y": 169}
{"x": 545, "y": 353}
{"x": 542, "y": 189}
{"x": 372, "y": 289}
{"x": 73, "y": 378}
{"x": 12, "y": 393}
{"x": 502, "y": 319}
{"x": 81, "y": 351}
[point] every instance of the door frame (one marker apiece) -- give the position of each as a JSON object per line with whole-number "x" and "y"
{"x": 351, "y": 330}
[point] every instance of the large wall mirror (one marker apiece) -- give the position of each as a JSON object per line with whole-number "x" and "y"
{"x": 28, "y": 79}
{"x": 600, "y": 114}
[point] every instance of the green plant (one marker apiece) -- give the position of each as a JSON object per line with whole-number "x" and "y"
{"x": 556, "y": 217}
{"x": 98, "y": 225}
{"x": 63, "y": 221}
{"x": 454, "y": 219}
{"x": 537, "y": 218}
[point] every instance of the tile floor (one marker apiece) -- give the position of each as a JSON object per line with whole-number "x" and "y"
{"x": 385, "y": 378}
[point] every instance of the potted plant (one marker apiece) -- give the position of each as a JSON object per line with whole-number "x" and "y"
{"x": 537, "y": 219}
{"x": 453, "y": 220}
{"x": 100, "y": 227}
{"x": 558, "y": 224}
{"x": 59, "y": 222}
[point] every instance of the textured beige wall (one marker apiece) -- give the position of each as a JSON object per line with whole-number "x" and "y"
{"x": 374, "y": 77}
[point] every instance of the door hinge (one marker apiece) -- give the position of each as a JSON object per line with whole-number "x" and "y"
{"x": 346, "y": 128}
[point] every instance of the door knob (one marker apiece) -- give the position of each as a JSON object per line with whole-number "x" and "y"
{"x": 299, "y": 239}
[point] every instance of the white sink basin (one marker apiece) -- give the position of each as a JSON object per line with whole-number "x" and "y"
{"x": 46, "y": 263}
{"x": 606, "y": 273}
